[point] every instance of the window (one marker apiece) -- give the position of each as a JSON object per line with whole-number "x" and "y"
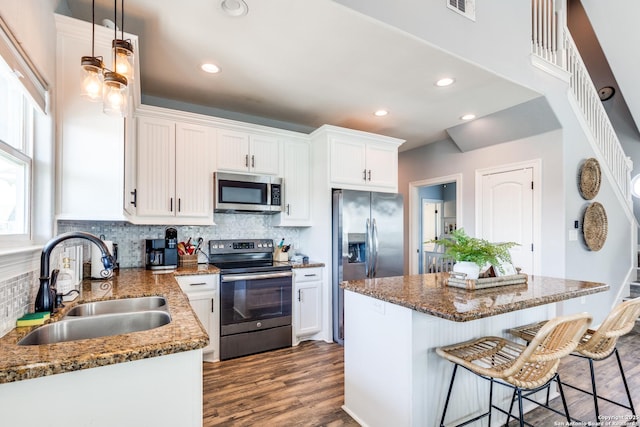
{"x": 16, "y": 148}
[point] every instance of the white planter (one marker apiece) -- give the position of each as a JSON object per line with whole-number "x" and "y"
{"x": 471, "y": 269}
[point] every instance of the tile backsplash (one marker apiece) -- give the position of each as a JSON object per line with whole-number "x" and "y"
{"x": 16, "y": 298}
{"x": 130, "y": 238}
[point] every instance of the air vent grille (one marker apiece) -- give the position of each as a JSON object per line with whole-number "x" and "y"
{"x": 464, "y": 7}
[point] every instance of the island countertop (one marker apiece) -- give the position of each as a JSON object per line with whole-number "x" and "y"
{"x": 183, "y": 333}
{"x": 428, "y": 293}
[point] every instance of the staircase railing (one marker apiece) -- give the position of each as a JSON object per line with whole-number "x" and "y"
{"x": 552, "y": 42}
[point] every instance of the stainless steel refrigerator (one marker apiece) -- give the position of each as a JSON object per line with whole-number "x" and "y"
{"x": 367, "y": 242}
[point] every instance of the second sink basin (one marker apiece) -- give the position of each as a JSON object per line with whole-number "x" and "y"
{"x": 124, "y": 305}
{"x": 79, "y": 328}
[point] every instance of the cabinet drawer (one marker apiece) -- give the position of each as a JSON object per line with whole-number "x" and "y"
{"x": 307, "y": 274}
{"x": 198, "y": 282}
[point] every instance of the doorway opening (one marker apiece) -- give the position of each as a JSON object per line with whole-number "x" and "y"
{"x": 435, "y": 210}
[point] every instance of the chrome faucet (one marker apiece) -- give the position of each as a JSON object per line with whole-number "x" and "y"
{"x": 46, "y": 298}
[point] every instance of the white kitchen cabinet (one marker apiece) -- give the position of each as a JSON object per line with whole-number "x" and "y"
{"x": 307, "y": 302}
{"x": 203, "y": 293}
{"x": 90, "y": 144}
{"x": 296, "y": 172}
{"x": 247, "y": 152}
{"x": 362, "y": 163}
{"x": 174, "y": 172}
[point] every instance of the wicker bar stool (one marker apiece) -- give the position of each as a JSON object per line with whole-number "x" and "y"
{"x": 597, "y": 345}
{"x": 525, "y": 369}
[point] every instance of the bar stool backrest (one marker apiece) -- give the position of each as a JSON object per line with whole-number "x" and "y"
{"x": 600, "y": 343}
{"x": 538, "y": 362}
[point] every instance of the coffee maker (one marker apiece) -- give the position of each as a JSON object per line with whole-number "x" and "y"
{"x": 162, "y": 254}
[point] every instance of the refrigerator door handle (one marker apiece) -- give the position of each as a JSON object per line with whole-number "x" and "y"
{"x": 375, "y": 246}
{"x": 367, "y": 258}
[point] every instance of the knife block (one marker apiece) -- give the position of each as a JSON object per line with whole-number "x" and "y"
{"x": 278, "y": 255}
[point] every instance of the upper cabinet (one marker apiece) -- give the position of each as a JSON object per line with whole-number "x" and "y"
{"x": 240, "y": 151}
{"x": 174, "y": 172}
{"x": 360, "y": 160}
{"x": 90, "y": 144}
{"x": 296, "y": 172}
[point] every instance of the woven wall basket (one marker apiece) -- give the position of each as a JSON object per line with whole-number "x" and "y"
{"x": 589, "y": 180}
{"x": 595, "y": 226}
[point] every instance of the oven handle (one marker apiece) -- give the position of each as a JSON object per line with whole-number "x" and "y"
{"x": 256, "y": 276}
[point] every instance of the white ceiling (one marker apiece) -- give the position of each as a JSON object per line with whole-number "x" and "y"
{"x": 308, "y": 63}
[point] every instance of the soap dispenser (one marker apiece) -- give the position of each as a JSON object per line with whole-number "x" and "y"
{"x": 66, "y": 280}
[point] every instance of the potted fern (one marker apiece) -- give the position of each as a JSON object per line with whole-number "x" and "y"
{"x": 472, "y": 254}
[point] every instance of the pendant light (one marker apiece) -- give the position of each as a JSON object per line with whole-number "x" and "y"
{"x": 92, "y": 66}
{"x": 114, "y": 92}
{"x": 122, "y": 51}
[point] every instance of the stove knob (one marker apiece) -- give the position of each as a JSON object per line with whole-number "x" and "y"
{"x": 259, "y": 325}
{"x": 269, "y": 244}
{"x": 259, "y": 245}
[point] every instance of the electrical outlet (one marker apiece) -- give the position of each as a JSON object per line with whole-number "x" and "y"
{"x": 378, "y": 306}
{"x": 573, "y": 235}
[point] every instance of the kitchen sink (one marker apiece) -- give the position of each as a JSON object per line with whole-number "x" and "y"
{"x": 124, "y": 305}
{"x": 78, "y": 328}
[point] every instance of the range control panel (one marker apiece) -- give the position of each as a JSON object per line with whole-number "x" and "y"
{"x": 240, "y": 246}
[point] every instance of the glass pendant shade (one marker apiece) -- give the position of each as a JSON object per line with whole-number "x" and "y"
{"x": 92, "y": 78}
{"x": 122, "y": 51}
{"x": 114, "y": 94}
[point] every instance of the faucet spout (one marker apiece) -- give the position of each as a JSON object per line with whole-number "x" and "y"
{"x": 46, "y": 299}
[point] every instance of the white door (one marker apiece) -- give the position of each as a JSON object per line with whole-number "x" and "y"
{"x": 431, "y": 223}
{"x": 507, "y": 213}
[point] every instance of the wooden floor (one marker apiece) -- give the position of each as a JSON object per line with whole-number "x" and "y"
{"x": 303, "y": 386}
{"x": 297, "y": 386}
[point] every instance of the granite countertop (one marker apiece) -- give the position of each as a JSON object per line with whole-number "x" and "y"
{"x": 428, "y": 293}
{"x": 184, "y": 333}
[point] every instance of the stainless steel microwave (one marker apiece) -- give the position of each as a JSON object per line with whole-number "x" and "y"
{"x": 247, "y": 193}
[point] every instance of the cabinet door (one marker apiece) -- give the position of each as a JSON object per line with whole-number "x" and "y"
{"x": 204, "y": 307}
{"x": 232, "y": 151}
{"x": 194, "y": 170}
{"x": 264, "y": 156}
{"x": 382, "y": 165}
{"x": 297, "y": 190}
{"x": 156, "y": 167}
{"x": 347, "y": 161}
{"x": 307, "y": 300}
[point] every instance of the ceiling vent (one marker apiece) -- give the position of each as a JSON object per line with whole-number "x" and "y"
{"x": 463, "y": 7}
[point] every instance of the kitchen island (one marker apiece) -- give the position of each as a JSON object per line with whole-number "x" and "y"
{"x": 152, "y": 377}
{"x": 393, "y": 325}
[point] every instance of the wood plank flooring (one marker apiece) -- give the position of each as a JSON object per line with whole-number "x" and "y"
{"x": 303, "y": 386}
{"x": 297, "y": 386}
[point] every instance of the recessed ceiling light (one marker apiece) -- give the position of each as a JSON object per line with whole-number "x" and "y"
{"x": 468, "y": 117}
{"x": 234, "y": 7}
{"x": 381, "y": 113}
{"x": 445, "y": 82}
{"x": 210, "y": 68}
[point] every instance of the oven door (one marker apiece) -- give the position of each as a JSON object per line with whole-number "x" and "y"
{"x": 254, "y": 301}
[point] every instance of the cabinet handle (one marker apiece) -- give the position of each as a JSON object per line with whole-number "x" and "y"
{"x": 212, "y": 305}
{"x": 369, "y": 174}
{"x": 364, "y": 174}
{"x": 253, "y": 161}
{"x": 179, "y": 204}
{"x": 310, "y": 275}
{"x": 246, "y": 160}
{"x": 288, "y": 209}
{"x": 134, "y": 202}
{"x": 171, "y": 205}
{"x": 300, "y": 295}
{"x": 198, "y": 284}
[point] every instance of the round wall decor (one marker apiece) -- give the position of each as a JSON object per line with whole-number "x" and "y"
{"x": 589, "y": 181}
{"x": 595, "y": 226}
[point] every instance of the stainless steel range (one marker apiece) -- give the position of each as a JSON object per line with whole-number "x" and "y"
{"x": 255, "y": 297}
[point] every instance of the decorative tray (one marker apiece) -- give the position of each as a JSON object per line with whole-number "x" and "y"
{"x": 459, "y": 280}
